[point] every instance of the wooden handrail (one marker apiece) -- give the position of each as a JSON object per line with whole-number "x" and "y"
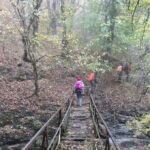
{"x": 43, "y": 128}
{"x": 40, "y": 131}
{"x": 104, "y": 123}
{"x": 60, "y": 126}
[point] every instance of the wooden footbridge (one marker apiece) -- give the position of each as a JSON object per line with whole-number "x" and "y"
{"x": 74, "y": 128}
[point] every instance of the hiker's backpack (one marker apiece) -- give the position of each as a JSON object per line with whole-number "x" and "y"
{"x": 79, "y": 86}
{"x": 126, "y": 67}
{"x": 91, "y": 77}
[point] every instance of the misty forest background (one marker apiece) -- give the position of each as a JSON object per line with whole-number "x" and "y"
{"x": 44, "y": 44}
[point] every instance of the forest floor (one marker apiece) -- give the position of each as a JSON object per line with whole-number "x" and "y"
{"x": 22, "y": 116}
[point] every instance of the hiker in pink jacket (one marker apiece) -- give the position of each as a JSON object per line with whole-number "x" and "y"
{"x": 79, "y": 90}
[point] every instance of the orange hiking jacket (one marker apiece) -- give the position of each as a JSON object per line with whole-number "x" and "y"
{"x": 91, "y": 76}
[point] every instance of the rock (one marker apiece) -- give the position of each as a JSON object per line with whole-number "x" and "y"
{"x": 122, "y": 119}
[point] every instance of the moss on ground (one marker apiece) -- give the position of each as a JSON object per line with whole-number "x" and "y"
{"x": 140, "y": 126}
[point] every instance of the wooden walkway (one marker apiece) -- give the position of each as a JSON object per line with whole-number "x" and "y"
{"x": 80, "y": 132}
{"x": 79, "y": 128}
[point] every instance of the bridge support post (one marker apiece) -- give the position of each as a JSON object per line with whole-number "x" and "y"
{"x": 60, "y": 117}
{"x": 107, "y": 145}
{"x": 45, "y": 139}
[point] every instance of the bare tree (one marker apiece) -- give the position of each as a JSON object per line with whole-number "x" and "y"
{"x": 27, "y": 12}
{"x": 64, "y": 33}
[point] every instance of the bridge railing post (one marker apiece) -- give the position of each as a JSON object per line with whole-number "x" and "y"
{"x": 45, "y": 139}
{"x": 60, "y": 116}
{"x": 59, "y": 137}
{"x": 107, "y": 145}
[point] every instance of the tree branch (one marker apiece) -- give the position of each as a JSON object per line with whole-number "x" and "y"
{"x": 135, "y": 8}
{"x": 145, "y": 23}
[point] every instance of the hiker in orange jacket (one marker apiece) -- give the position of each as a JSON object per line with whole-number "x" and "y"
{"x": 120, "y": 71}
{"x": 92, "y": 80}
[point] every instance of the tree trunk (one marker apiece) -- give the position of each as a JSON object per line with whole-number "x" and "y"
{"x": 30, "y": 28}
{"x": 52, "y": 26}
{"x": 113, "y": 14}
{"x": 35, "y": 73}
{"x": 64, "y": 33}
{"x": 110, "y": 16}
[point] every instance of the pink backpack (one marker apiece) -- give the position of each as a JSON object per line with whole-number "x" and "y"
{"x": 79, "y": 85}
